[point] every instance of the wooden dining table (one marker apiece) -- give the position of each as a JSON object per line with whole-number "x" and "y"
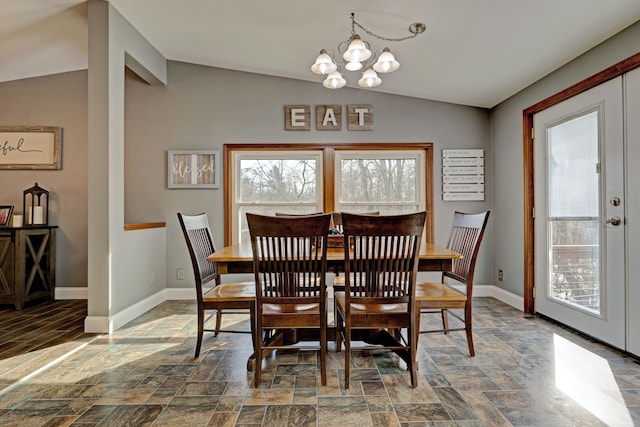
{"x": 238, "y": 259}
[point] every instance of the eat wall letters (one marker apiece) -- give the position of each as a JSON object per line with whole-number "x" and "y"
{"x": 328, "y": 117}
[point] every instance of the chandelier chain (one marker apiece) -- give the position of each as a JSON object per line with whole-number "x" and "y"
{"x": 398, "y": 39}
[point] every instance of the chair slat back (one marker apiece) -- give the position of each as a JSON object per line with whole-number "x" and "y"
{"x": 466, "y": 235}
{"x": 297, "y": 214}
{"x": 289, "y": 257}
{"x": 336, "y": 218}
{"x": 381, "y": 257}
{"x": 200, "y": 244}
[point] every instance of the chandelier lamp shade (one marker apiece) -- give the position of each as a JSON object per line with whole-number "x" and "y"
{"x": 356, "y": 55}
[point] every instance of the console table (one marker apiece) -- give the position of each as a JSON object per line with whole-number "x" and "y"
{"x": 27, "y": 264}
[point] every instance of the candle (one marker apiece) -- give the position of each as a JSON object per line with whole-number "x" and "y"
{"x": 17, "y": 220}
{"x": 38, "y": 217}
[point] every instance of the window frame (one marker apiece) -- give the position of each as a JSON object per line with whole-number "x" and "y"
{"x": 416, "y": 155}
{"x": 238, "y": 156}
{"x": 328, "y": 173}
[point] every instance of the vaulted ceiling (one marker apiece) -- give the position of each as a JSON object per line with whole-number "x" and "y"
{"x": 473, "y": 52}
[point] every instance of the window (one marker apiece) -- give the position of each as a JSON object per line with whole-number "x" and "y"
{"x": 275, "y": 181}
{"x": 307, "y": 178}
{"x": 385, "y": 181}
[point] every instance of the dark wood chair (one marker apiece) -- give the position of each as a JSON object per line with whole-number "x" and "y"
{"x": 222, "y": 297}
{"x": 336, "y": 218}
{"x": 381, "y": 264}
{"x": 295, "y": 214}
{"x": 290, "y": 263}
{"x": 466, "y": 235}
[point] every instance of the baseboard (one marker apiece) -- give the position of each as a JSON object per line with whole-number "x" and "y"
{"x": 125, "y": 316}
{"x": 97, "y": 324}
{"x": 491, "y": 291}
{"x": 108, "y": 324}
{"x": 180, "y": 294}
{"x": 71, "y": 293}
{"x": 102, "y": 324}
{"x": 515, "y": 301}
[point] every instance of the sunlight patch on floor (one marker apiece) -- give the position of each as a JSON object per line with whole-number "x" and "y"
{"x": 47, "y": 366}
{"x": 587, "y": 379}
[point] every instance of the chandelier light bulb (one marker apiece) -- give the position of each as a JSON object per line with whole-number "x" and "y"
{"x": 353, "y": 66}
{"x": 369, "y": 79}
{"x": 357, "y": 50}
{"x": 334, "y": 81}
{"x": 386, "y": 62}
{"x": 324, "y": 64}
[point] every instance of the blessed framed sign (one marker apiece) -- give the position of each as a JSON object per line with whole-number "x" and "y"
{"x": 194, "y": 169}
{"x": 30, "y": 147}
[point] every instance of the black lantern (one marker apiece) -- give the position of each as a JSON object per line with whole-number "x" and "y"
{"x": 35, "y": 205}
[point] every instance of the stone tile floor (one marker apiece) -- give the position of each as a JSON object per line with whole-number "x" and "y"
{"x": 527, "y": 372}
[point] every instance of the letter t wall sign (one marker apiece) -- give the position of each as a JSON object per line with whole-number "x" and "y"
{"x": 328, "y": 117}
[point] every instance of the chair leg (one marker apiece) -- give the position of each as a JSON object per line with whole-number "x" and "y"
{"x": 445, "y": 320}
{"x": 339, "y": 331}
{"x": 413, "y": 353}
{"x": 258, "y": 357}
{"x": 347, "y": 354}
{"x": 218, "y": 321}
{"x": 252, "y": 324}
{"x": 323, "y": 353}
{"x": 396, "y": 332}
{"x": 200, "y": 331}
{"x": 467, "y": 327}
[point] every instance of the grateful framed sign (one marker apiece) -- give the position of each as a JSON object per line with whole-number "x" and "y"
{"x": 30, "y": 147}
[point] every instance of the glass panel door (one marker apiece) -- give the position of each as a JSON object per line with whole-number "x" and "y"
{"x": 574, "y": 212}
{"x": 579, "y": 213}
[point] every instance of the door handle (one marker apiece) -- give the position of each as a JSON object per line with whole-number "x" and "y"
{"x": 615, "y": 220}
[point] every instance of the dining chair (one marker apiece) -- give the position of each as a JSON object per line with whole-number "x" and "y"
{"x": 336, "y": 219}
{"x": 297, "y": 214}
{"x": 230, "y": 298}
{"x": 381, "y": 264}
{"x": 289, "y": 264}
{"x": 465, "y": 237}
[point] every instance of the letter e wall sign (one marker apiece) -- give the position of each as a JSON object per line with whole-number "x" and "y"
{"x": 297, "y": 117}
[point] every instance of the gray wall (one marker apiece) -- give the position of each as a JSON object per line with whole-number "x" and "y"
{"x": 59, "y": 100}
{"x": 506, "y": 142}
{"x": 204, "y": 108}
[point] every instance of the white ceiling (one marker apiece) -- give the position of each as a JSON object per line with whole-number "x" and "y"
{"x": 474, "y": 52}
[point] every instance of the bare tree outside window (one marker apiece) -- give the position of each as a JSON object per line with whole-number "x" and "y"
{"x": 378, "y": 180}
{"x": 278, "y": 180}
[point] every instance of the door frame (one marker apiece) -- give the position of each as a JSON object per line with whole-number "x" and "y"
{"x": 616, "y": 70}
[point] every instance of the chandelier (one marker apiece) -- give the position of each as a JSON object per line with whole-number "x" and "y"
{"x": 356, "y": 55}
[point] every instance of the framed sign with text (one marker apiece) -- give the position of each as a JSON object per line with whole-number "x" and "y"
{"x": 463, "y": 175}
{"x": 30, "y": 147}
{"x": 194, "y": 169}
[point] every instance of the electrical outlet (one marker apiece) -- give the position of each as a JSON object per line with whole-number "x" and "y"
{"x": 180, "y": 273}
{"x": 500, "y": 275}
